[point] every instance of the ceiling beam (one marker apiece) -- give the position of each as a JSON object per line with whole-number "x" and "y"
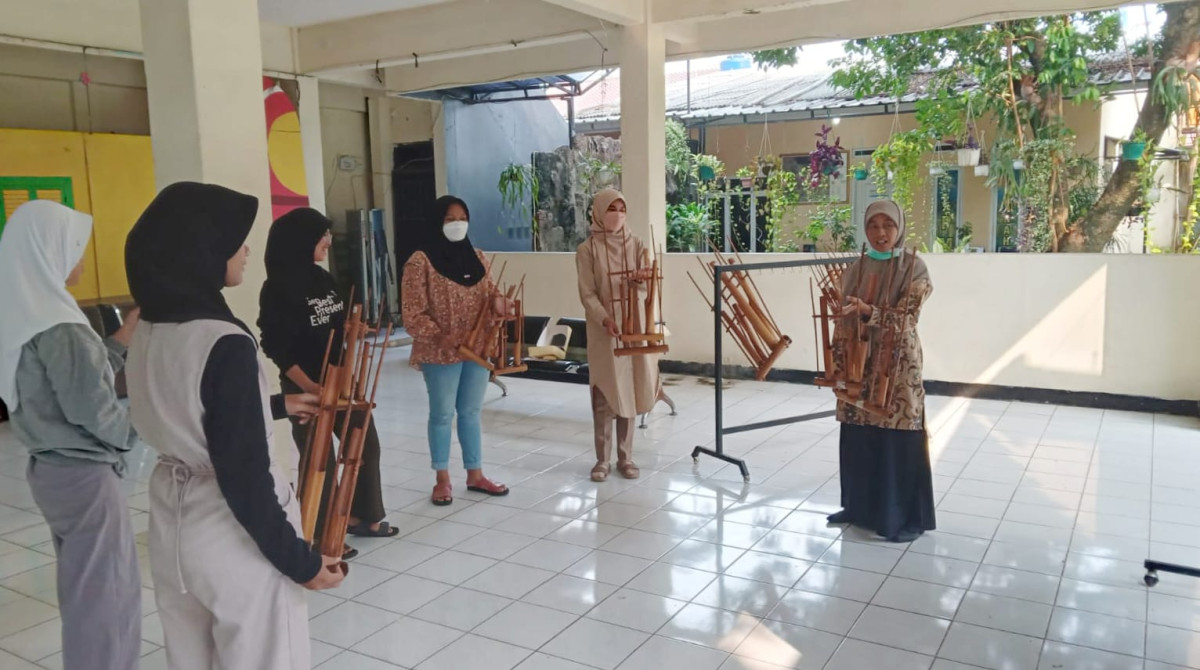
{"x": 418, "y": 36}
{"x": 830, "y": 22}
{"x": 621, "y": 12}
{"x": 673, "y": 11}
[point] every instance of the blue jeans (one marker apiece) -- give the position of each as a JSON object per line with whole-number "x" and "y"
{"x": 455, "y": 388}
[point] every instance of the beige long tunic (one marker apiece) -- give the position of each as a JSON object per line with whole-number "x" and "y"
{"x": 907, "y": 409}
{"x": 629, "y": 383}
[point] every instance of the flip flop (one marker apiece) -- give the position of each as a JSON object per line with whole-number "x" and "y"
{"x": 349, "y": 553}
{"x": 364, "y": 530}
{"x": 496, "y": 490}
{"x": 441, "y": 500}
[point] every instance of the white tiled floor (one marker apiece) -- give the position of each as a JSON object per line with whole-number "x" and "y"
{"x": 1045, "y": 514}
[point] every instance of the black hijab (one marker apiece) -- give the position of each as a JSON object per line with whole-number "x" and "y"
{"x": 176, "y": 254}
{"x": 456, "y": 261}
{"x": 291, "y": 271}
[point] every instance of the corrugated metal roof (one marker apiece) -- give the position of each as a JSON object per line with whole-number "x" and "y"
{"x": 749, "y": 92}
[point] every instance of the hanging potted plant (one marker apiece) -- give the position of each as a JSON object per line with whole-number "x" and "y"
{"x": 969, "y": 151}
{"x": 826, "y": 159}
{"x": 1133, "y": 149}
{"x": 860, "y": 172}
{"x": 983, "y": 169}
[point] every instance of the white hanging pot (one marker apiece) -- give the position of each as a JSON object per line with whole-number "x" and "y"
{"x": 969, "y": 157}
{"x": 937, "y": 171}
{"x": 1018, "y": 164}
{"x": 982, "y": 170}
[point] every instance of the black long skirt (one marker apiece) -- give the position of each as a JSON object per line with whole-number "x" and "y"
{"x": 887, "y": 483}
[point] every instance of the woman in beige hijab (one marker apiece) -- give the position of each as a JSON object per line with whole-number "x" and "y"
{"x": 887, "y": 485}
{"x": 622, "y": 387}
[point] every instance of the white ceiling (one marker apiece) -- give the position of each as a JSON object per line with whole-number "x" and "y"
{"x": 295, "y": 13}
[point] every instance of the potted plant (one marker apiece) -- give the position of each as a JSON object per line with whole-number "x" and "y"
{"x": 983, "y": 169}
{"x": 746, "y": 174}
{"x": 969, "y": 151}
{"x": 826, "y": 159}
{"x": 1133, "y": 149}
{"x": 860, "y": 172}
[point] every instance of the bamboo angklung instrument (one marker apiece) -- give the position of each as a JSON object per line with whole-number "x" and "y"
{"x": 746, "y": 317}
{"x": 477, "y": 346}
{"x": 639, "y": 320}
{"x": 506, "y": 361}
{"x": 846, "y": 372}
{"x": 348, "y": 388}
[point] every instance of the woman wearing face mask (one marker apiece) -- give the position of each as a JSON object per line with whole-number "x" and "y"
{"x": 887, "y": 485}
{"x": 622, "y": 387}
{"x": 56, "y": 376}
{"x": 445, "y": 287}
{"x": 225, "y": 550}
{"x": 299, "y": 307}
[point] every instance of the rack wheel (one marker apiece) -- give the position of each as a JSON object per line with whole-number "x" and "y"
{"x": 1151, "y": 578}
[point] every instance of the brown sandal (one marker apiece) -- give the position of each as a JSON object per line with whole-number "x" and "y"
{"x": 600, "y": 471}
{"x": 629, "y": 470}
{"x": 442, "y": 495}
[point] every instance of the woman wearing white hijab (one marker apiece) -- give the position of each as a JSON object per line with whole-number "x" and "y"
{"x": 56, "y": 376}
{"x": 886, "y": 481}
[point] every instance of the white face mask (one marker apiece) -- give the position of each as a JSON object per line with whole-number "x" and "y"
{"x": 614, "y": 221}
{"x": 455, "y": 231}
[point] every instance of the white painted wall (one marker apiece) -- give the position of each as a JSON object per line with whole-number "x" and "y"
{"x": 1096, "y": 323}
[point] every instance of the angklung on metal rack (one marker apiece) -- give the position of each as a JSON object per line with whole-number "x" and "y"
{"x": 745, "y": 316}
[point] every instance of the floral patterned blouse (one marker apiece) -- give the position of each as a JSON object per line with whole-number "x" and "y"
{"x": 433, "y": 306}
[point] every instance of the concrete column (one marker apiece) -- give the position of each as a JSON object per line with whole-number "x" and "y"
{"x": 204, "y": 84}
{"x": 643, "y": 130}
{"x": 310, "y": 140}
{"x": 440, "y": 168}
{"x": 379, "y": 122}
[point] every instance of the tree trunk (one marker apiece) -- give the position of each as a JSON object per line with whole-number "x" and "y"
{"x": 1181, "y": 37}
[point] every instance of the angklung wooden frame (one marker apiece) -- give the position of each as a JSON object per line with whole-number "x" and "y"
{"x": 845, "y": 358}
{"x": 487, "y": 343}
{"x": 348, "y": 388}
{"x": 746, "y": 317}
{"x": 639, "y": 320}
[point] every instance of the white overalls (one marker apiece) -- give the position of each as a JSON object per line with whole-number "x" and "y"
{"x": 223, "y": 605}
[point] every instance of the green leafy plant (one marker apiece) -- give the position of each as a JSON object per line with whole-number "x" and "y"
{"x": 782, "y": 199}
{"x": 1024, "y": 75}
{"x": 680, "y": 160}
{"x": 519, "y": 189}
{"x": 898, "y": 163}
{"x": 688, "y": 227}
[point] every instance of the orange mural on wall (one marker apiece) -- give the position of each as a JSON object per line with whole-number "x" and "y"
{"x": 289, "y": 189}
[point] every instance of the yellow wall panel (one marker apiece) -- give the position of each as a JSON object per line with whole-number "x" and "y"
{"x": 44, "y": 153}
{"x": 121, "y": 168}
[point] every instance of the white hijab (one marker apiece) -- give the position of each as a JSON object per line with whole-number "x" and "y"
{"x": 41, "y": 243}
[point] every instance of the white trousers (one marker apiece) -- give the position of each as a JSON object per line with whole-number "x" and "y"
{"x": 223, "y": 605}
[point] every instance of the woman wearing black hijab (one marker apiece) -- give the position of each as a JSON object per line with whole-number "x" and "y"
{"x": 444, "y": 288}
{"x": 225, "y": 550}
{"x": 299, "y": 307}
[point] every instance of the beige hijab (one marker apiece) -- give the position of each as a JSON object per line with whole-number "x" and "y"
{"x": 889, "y": 277}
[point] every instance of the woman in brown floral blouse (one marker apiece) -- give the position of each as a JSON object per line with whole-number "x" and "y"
{"x": 887, "y": 483}
{"x": 445, "y": 286}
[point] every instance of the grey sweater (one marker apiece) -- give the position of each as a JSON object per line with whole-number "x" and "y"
{"x": 68, "y": 411}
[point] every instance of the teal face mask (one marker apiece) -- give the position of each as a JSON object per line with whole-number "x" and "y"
{"x": 880, "y": 255}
